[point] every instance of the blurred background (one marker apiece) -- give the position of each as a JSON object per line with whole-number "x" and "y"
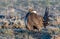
{"x": 20, "y": 8}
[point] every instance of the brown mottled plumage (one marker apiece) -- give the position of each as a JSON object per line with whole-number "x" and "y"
{"x": 34, "y": 21}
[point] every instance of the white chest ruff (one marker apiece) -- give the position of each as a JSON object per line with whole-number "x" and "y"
{"x": 34, "y": 12}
